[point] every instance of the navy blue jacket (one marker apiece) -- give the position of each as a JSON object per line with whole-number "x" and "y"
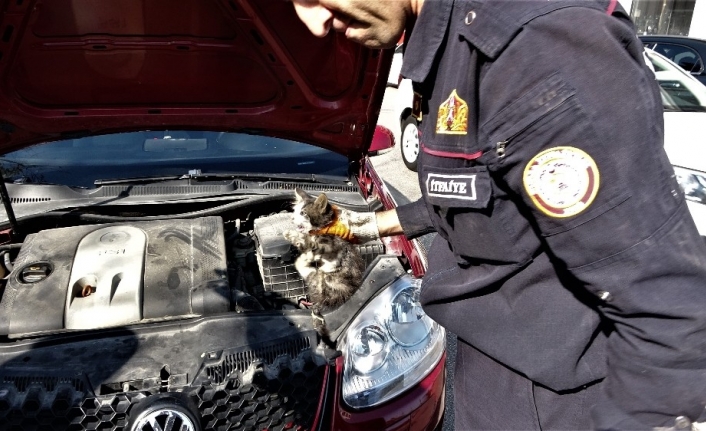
{"x": 565, "y": 248}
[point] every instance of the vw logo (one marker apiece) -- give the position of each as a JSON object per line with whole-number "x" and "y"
{"x": 164, "y": 419}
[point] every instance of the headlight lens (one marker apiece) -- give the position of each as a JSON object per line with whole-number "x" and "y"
{"x": 369, "y": 349}
{"x": 693, "y": 183}
{"x": 390, "y": 346}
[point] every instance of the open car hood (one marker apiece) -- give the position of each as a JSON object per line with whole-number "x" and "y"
{"x": 71, "y": 68}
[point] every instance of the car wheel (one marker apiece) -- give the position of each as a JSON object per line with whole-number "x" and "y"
{"x": 410, "y": 142}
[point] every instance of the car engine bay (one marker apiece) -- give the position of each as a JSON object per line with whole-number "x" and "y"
{"x": 108, "y": 311}
{"x": 104, "y": 275}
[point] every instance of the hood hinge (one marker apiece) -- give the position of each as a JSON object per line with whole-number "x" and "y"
{"x": 14, "y": 229}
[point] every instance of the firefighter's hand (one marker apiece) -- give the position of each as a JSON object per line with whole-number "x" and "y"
{"x": 362, "y": 225}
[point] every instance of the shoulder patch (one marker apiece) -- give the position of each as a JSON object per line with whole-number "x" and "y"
{"x": 453, "y": 116}
{"x": 561, "y": 181}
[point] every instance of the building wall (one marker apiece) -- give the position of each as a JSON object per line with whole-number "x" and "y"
{"x": 698, "y": 21}
{"x": 626, "y": 4}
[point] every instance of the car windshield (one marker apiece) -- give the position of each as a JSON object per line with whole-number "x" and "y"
{"x": 79, "y": 162}
{"x": 679, "y": 90}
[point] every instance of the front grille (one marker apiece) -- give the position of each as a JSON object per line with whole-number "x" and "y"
{"x": 63, "y": 408}
{"x": 285, "y": 401}
{"x": 279, "y": 390}
{"x": 242, "y": 360}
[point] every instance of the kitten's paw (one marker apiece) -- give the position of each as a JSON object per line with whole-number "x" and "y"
{"x": 295, "y": 237}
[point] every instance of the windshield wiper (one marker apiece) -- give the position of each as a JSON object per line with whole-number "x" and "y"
{"x": 198, "y": 176}
{"x": 308, "y": 178}
{"x": 140, "y": 180}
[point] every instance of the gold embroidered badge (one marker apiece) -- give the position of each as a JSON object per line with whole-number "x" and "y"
{"x": 561, "y": 181}
{"x": 453, "y": 116}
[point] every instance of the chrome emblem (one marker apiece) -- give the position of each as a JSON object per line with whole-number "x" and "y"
{"x": 164, "y": 419}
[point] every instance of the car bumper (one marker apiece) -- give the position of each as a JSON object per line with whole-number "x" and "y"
{"x": 419, "y": 409}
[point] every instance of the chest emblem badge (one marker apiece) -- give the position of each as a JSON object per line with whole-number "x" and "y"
{"x": 453, "y": 116}
{"x": 561, "y": 181}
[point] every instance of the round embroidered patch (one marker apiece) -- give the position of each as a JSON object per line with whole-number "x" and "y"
{"x": 561, "y": 181}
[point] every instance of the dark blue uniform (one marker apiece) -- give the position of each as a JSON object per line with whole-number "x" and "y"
{"x": 566, "y": 262}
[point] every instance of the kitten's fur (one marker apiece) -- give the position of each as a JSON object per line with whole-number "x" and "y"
{"x": 331, "y": 267}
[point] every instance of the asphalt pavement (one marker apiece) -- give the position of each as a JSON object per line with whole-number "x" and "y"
{"x": 404, "y": 188}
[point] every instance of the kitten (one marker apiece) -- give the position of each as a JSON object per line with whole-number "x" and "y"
{"x": 330, "y": 266}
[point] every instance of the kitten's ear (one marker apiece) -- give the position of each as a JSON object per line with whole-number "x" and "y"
{"x": 300, "y": 194}
{"x": 321, "y": 202}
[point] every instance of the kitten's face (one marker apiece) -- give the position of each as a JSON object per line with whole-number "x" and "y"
{"x": 310, "y": 213}
{"x": 301, "y": 221}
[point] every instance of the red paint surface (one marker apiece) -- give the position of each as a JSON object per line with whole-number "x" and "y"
{"x": 372, "y": 185}
{"x": 85, "y": 66}
{"x": 419, "y": 409}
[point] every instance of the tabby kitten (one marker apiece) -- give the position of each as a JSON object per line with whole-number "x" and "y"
{"x": 331, "y": 267}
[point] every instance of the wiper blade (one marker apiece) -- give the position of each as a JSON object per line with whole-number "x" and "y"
{"x": 139, "y": 180}
{"x": 198, "y": 176}
{"x": 309, "y": 178}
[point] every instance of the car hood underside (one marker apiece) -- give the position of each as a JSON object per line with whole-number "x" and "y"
{"x": 78, "y": 67}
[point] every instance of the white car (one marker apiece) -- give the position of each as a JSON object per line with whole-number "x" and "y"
{"x": 404, "y": 96}
{"x": 684, "y": 100}
{"x": 409, "y": 127}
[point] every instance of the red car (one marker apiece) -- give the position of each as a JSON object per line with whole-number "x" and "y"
{"x": 150, "y": 150}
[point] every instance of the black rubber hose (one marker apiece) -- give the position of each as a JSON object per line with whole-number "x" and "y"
{"x": 108, "y": 218}
{"x": 192, "y": 214}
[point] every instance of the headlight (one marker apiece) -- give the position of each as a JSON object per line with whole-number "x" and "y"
{"x": 693, "y": 183}
{"x": 390, "y": 346}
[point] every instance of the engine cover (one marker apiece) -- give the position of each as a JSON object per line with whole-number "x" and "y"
{"x": 96, "y": 276}
{"x": 105, "y": 286}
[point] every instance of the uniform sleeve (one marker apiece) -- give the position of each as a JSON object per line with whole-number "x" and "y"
{"x": 577, "y": 121}
{"x": 414, "y": 219}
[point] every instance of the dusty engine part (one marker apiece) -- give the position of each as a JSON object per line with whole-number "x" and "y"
{"x": 98, "y": 276}
{"x": 276, "y": 256}
{"x": 245, "y": 260}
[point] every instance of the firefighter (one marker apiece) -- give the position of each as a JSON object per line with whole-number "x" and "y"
{"x": 566, "y": 260}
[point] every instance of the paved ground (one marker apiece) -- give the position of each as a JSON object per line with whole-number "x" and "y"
{"x": 401, "y": 182}
{"x": 404, "y": 187}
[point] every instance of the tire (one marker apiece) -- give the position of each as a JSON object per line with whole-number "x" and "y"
{"x": 410, "y": 142}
